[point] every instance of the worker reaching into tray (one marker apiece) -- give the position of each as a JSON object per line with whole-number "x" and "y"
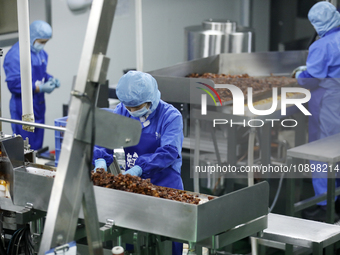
{"x": 158, "y": 154}
{"x": 322, "y": 76}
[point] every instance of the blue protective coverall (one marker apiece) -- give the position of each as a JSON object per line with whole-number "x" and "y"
{"x": 158, "y": 152}
{"x": 39, "y": 75}
{"x": 39, "y": 60}
{"x": 322, "y": 77}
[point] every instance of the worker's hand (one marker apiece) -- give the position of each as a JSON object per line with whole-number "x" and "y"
{"x": 55, "y": 81}
{"x": 297, "y": 71}
{"x": 46, "y": 87}
{"x": 135, "y": 170}
{"x": 100, "y": 163}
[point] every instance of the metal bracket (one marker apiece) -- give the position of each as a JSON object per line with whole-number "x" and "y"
{"x": 28, "y": 214}
{"x": 98, "y": 69}
{"x": 107, "y": 230}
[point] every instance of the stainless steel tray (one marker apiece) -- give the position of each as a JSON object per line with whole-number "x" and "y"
{"x": 175, "y": 86}
{"x": 154, "y": 215}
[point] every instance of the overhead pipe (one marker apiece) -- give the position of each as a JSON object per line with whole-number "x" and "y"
{"x": 139, "y": 35}
{"x": 246, "y": 13}
{"x": 25, "y": 64}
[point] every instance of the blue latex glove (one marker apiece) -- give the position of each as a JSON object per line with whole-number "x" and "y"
{"x": 46, "y": 87}
{"x": 100, "y": 163}
{"x": 297, "y": 71}
{"x": 135, "y": 170}
{"x": 55, "y": 81}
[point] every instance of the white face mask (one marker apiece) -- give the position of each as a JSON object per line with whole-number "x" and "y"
{"x": 139, "y": 113}
{"x": 38, "y": 46}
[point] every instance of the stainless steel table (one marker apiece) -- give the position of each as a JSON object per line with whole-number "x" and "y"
{"x": 324, "y": 150}
{"x": 300, "y": 232}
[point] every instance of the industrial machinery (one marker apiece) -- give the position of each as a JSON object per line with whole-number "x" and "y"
{"x": 148, "y": 227}
{"x": 76, "y": 210}
{"x": 176, "y": 86}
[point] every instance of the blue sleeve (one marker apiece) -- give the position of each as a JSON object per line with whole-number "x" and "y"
{"x": 169, "y": 150}
{"x": 47, "y": 75}
{"x": 12, "y": 70}
{"x": 318, "y": 59}
{"x": 101, "y": 152}
{"x": 317, "y": 65}
{"x": 307, "y": 81}
{"x": 14, "y": 86}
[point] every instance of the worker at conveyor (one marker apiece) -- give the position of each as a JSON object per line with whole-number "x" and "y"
{"x": 158, "y": 154}
{"x": 322, "y": 76}
{"x": 42, "y": 82}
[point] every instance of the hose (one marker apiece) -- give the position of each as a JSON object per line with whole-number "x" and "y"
{"x": 277, "y": 193}
{"x": 21, "y": 236}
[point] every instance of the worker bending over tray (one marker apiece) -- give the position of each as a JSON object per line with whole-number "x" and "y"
{"x": 158, "y": 154}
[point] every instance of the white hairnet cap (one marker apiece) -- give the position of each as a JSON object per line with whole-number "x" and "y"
{"x": 40, "y": 30}
{"x": 324, "y": 16}
{"x": 135, "y": 88}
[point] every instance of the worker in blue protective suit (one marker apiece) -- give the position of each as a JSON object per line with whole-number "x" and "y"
{"x": 42, "y": 82}
{"x": 322, "y": 76}
{"x": 158, "y": 154}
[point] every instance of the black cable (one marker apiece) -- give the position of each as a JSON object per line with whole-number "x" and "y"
{"x": 23, "y": 236}
{"x": 28, "y": 246}
{"x": 10, "y": 241}
{"x": 19, "y": 241}
{"x": 30, "y": 242}
{"x": 277, "y": 193}
{"x": 15, "y": 238}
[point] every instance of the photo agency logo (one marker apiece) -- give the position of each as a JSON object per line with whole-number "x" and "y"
{"x": 239, "y": 107}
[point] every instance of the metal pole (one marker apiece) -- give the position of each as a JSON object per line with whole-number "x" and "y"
{"x": 246, "y": 13}
{"x": 31, "y": 124}
{"x": 72, "y": 186}
{"x": 196, "y": 156}
{"x": 139, "y": 35}
{"x": 25, "y": 64}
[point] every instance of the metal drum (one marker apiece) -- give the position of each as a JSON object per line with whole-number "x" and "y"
{"x": 217, "y": 36}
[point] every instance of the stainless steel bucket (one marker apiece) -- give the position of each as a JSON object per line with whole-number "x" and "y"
{"x": 217, "y": 36}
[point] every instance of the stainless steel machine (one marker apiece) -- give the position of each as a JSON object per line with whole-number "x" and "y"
{"x": 175, "y": 86}
{"x": 77, "y": 210}
{"x": 126, "y": 219}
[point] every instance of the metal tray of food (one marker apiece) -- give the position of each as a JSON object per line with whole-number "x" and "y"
{"x": 174, "y": 82}
{"x": 178, "y": 220}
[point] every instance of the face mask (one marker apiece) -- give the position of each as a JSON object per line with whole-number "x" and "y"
{"x": 139, "y": 113}
{"x": 38, "y": 46}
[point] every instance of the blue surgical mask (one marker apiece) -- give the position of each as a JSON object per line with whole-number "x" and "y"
{"x": 38, "y": 46}
{"x": 139, "y": 113}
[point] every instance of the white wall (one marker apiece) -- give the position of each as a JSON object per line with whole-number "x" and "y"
{"x": 163, "y": 28}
